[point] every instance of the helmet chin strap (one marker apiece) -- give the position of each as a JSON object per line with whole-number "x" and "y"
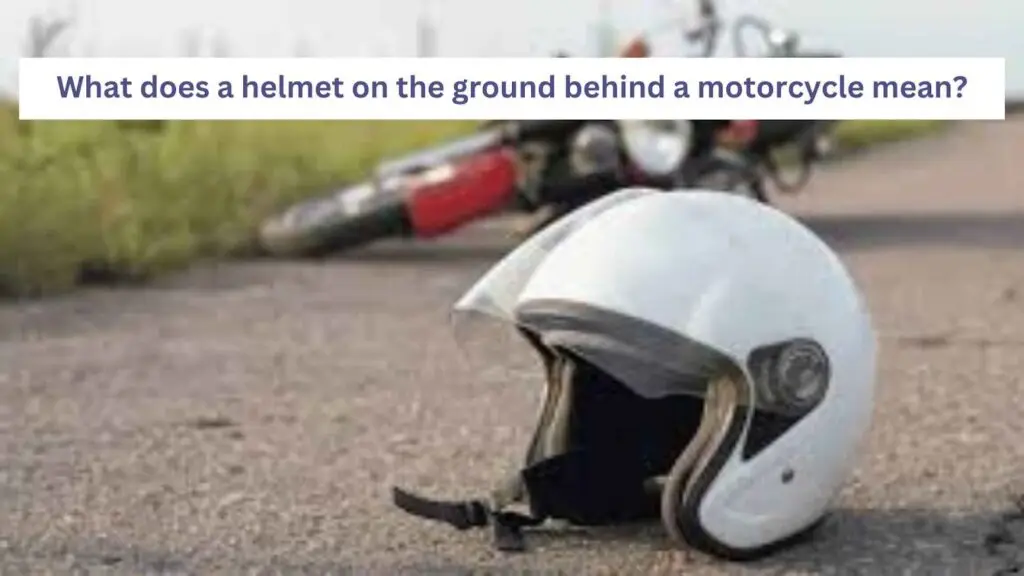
{"x": 463, "y": 515}
{"x": 720, "y": 405}
{"x": 549, "y": 485}
{"x": 506, "y": 525}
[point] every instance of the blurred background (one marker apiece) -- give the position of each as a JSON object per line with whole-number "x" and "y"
{"x": 130, "y": 199}
{"x": 275, "y": 28}
{"x": 121, "y": 194}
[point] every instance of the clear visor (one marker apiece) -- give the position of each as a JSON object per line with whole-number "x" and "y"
{"x": 483, "y": 320}
{"x": 650, "y": 361}
{"x": 494, "y": 331}
{"x": 495, "y": 348}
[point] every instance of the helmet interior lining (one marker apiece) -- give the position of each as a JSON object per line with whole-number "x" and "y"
{"x": 678, "y": 438}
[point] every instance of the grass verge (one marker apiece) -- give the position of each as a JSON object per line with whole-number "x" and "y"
{"x": 856, "y": 136}
{"x": 82, "y": 201}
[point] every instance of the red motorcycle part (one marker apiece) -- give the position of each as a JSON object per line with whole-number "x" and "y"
{"x": 478, "y": 186}
{"x": 738, "y": 134}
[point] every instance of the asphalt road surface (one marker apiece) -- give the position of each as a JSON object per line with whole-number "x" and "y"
{"x": 250, "y": 418}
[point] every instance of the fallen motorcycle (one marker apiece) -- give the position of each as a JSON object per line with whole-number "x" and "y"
{"x": 550, "y": 167}
{"x": 522, "y": 166}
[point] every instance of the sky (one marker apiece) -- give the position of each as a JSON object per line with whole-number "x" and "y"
{"x": 274, "y": 28}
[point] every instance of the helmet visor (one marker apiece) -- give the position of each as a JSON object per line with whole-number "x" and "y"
{"x": 483, "y": 320}
{"x": 501, "y": 339}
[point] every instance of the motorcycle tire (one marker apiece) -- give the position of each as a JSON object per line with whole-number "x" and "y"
{"x": 730, "y": 173}
{"x": 331, "y": 229}
{"x": 732, "y": 183}
{"x": 812, "y": 146}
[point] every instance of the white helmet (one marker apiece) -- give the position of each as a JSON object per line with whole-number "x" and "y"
{"x": 709, "y": 361}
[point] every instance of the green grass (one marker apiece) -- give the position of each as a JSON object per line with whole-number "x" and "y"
{"x": 862, "y": 134}
{"x": 130, "y": 200}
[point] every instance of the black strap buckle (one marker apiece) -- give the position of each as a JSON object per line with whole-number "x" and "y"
{"x": 466, "y": 514}
{"x": 461, "y": 515}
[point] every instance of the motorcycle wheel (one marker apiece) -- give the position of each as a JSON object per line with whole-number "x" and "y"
{"x": 729, "y": 173}
{"x": 732, "y": 183}
{"x": 323, "y": 226}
